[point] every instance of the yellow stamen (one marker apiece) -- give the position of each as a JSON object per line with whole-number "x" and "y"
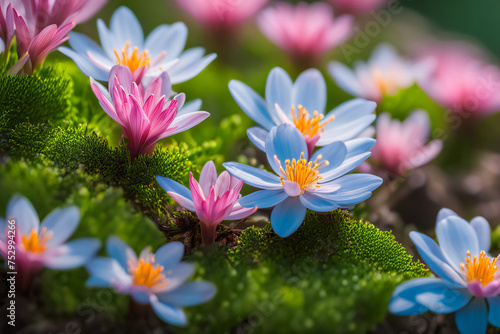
{"x": 35, "y": 242}
{"x": 135, "y": 60}
{"x": 482, "y": 269}
{"x": 302, "y": 172}
{"x": 148, "y": 275}
{"x": 387, "y": 84}
{"x": 308, "y": 126}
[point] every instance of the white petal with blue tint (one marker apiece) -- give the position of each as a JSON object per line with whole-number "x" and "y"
{"x": 189, "y": 294}
{"x": 435, "y": 260}
{"x": 279, "y": 90}
{"x": 103, "y": 269}
{"x": 334, "y": 132}
{"x": 263, "y": 198}
{"x": 347, "y": 166}
{"x": 85, "y": 65}
{"x": 285, "y": 142}
{"x": 120, "y": 251}
{"x": 255, "y": 177}
{"x": 344, "y": 77}
{"x": 287, "y": 216}
{"x": 126, "y": 28}
{"x": 190, "y": 64}
{"x": 251, "y": 103}
{"x": 258, "y": 137}
{"x": 456, "y": 237}
{"x": 177, "y": 275}
{"x": 170, "y": 314}
{"x": 309, "y": 90}
{"x": 317, "y": 202}
{"x": 483, "y": 232}
{"x": 170, "y": 254}
{"x": 24, "y": 214}
{"x": 63, "y": 223}
{"x": 441, "y": 299}
{"x": 445, "y": 213}
{"x": 334, "y": 153}
{"x": 173, "y": 186}
{"x": 72, "y": 254}
{"x": 358, "y": 146}
{"x": 167, "y": 37}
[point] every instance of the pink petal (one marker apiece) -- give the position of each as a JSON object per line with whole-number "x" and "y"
{"x": 291, "y": 188}
{"x": 208, "y": 176}
{"x": 239, "y": 212}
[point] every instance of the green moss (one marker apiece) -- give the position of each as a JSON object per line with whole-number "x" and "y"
{"x": 43, "y": 97}
{"x": 77, "y": 150}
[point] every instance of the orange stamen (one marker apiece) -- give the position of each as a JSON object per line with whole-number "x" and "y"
{"x": 35, "y": 242}
{"x": 308, "y": 126}
{"x": 302, "y": 172}
{"x": 482, "y": 269}
{"x": 135, "y": 60}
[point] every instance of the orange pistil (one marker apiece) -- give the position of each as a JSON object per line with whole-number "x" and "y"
{"x": 135, "y": 60}
{"x": 148, "y": 275}
{"x": 308, "y": 126}
{"x": 35, "y": 242}
{"x": 482, "y": 269}
{"x": 302, "y": 172}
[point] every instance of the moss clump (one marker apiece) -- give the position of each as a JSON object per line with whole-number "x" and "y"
{"x": 39, "y": 98}
{"x": 76, "y": 150}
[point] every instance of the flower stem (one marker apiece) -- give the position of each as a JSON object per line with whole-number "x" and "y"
{"x": 208, "y": 233}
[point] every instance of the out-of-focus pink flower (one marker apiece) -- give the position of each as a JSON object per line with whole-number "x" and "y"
{"x": 357, "y": 6}
{"x": 6, "y": 25}
{"x": 145, "y": 115}
{"x": 221, "y": 14}
{"x": 305, "y": 30}
{"x": 214, "y": 199}
{"x": 402, "y": 146}
{"x": 41, "y": 25}
{"x": 463, "y": 80}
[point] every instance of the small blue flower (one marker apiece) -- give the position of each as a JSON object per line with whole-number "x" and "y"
{"x": 302, "y": 105}
{"x": 157, "y": 279}
{"x": 468, "y": 278}
{"x": 318, "y": 183}
{"x": 123, "y": 43}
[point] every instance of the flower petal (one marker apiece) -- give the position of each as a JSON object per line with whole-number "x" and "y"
{"x": 473, "y": 318}
{"x": 309, "y": 90}
{"x": 483, "y": 232}
{"x": 125, "y": 27}
{"x": 120, "y": 251}
{"x": 238, "y": 212}
{"x": 173, "y": 186}
{"x": 345, "y": 78}
{"x": 170, "y": 314}
{"x": 287, "y": 216}
{"x": 169, "y": 255}
{"x": 263, "y": 198}
{"x": 279, "y": 90}
{"x": 435, "y": 260}
{"x": 190, "y": 64}
{"x": 456, "y": 237}
{"x": 107, "y": 272}
{"x": 334, "y": 153}
{"x": 189, "y": 294}
{"x": 284, "y": 142}
{"x": 170, "y": 38}
{"x": 72, "y": 254}
{"x": 62, "y": 223}
{"x": 251, "y": 103}
{"x": 255, "y": 177}
{"x": 258, "y": 137}
{"x": 316, "y": 202}
{"x": 494, "y": 316}
{"x": 23, "y": 212}
{"x": 445, "y": 213}
{"x": 208, "y": 177}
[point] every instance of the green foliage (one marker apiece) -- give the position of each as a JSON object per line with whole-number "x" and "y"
{"x": 74, "y": 149}
{"x": 45, "y": 96}
{"x": 495, "y": 238}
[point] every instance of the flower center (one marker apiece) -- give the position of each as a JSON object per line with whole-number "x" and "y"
{"x": 386, "y": 85}
{"x": 302, "y": 172}
{"x": 35, "y": 242}
{"x": 148, "y": 275}
{"x": 135, "y": 60}
{"x": 482, "y": 269}
{"x": 308, "y": 126}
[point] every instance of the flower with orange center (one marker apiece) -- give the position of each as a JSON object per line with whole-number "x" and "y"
{"x": 482, "y": 269}
{"x": 304, "y": 173}
{"x": 133, "y": 61}
{"x": 307, "y": 125}
{"x": 35, "y": 242}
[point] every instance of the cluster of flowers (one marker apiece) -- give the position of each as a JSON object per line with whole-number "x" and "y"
{"x": 310, "y": 151}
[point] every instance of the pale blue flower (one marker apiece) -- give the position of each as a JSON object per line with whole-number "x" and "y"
{"x": 318, "y": 183}
{"x": 469, "y": 292}
{"x": 44, "y": 245}
{"x": 157, "y": 279}
{"x": 307, "y": 97}
{"x": 160, "y": 52}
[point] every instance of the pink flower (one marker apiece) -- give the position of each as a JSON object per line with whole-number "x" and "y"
{"x": 463, "y": 80}
{"x": 221, "y": 14}
{"x": 306, "y": 31}
{"x": 214, "y": 199}
{"x": 402, "y": 146}
{"x": 145, "y": 115}
{"x": 6, "y": 26}
{"x": 41, "y": 25}
{"x": 358, "y": 6}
